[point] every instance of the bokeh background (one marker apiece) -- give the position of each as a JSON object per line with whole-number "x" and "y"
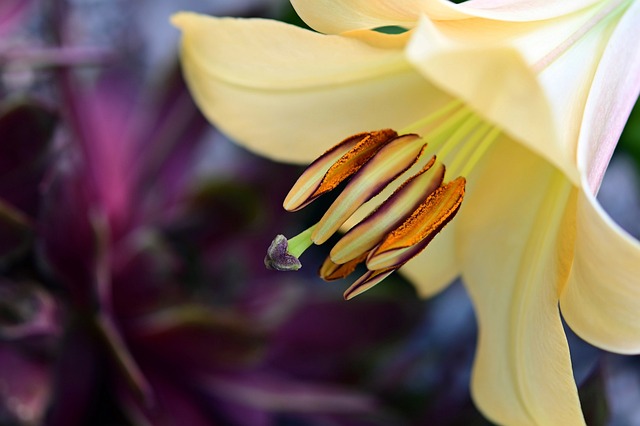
{"x": 132, "y": 237}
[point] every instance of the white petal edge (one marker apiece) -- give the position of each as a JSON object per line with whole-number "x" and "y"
{"x": 614, "y": 91}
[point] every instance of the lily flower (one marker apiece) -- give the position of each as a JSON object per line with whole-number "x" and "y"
{"x": 518, "y": 105}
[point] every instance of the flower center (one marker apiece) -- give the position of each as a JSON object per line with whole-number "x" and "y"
{"x": 399, "y": 194}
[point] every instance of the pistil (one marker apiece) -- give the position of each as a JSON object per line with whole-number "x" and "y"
{"x": 283, "y": 254}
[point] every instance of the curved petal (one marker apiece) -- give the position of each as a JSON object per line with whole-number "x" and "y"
{"x": 512, "y": 267}
{"x": 289, "y": 94}
{"x": 602, "y": 292}
{"x": 336, "y": 16}
{"x": 532, "y": 39}
{"x": 534, "y": 79}
{"x": 614, "y": 91}
{"x": 501, "y": 86}
{"x": 601, "y": 299}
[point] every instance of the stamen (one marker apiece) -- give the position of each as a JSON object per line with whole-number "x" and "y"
{"x": 480, "y": 150}
{"x": 447, "y": 128}
{"x": 331, "y": 271}
{"x": 460, "y": 134}
{"x": 367, "y": 281}
{"x": 391, "y": 162}
{"x": 431, "y": 118}
{"x": 471, "y": 143}
{"x": 389, "y": 229}
{"x": 336, "y": 165}
{"x": 418, "y": 230}
{"x": 370, "y": 231}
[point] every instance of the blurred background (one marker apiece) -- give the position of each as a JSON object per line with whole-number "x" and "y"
{"x": 132, "y": 237}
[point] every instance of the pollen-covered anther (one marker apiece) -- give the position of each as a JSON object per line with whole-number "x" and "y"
{"x": 367, "y": 281}
{"x": 365, "y": 235}
{"x": 331, "y": 271}
{"x": 391, "y": 161}
{"x": 335, "y": 166}
{"x": 409, "y": 238}
{"x": 389, "y": 235}
{"x": 417, "y": 231}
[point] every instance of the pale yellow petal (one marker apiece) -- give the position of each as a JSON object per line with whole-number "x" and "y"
{"x": 500, "y": 86}
{"x": 601, "y": 301}
{"x": 532, "y": 39}
{"x": 289, "y": 94}
{"x": 509, "y": 238}
{"x": 336, "y": 16}
{"x": 532, "y": 79}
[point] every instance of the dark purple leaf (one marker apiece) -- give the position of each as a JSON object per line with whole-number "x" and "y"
{"x": 172, "y": 405}
{"x": 77, "y": 373}
{"x": 327, "y": 339}
{"x": 68, "y": 239}
{"x": 15, "y": 232}
{"x": 279, "y": 394}
{"x": 193, "y": 337}
{"x": 26, "y": 130}
{"x": 170, "y": 141}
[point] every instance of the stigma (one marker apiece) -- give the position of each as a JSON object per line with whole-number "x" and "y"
{"x": 395, "y": 200}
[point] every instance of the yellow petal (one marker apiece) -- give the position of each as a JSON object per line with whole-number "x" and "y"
{"x": 601, "y": 301}
{"x": 509, "y": 231}
{"x": 501, "y": 87}
{"x": 289, "y": 94}
{"x": 336, "y": 16}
